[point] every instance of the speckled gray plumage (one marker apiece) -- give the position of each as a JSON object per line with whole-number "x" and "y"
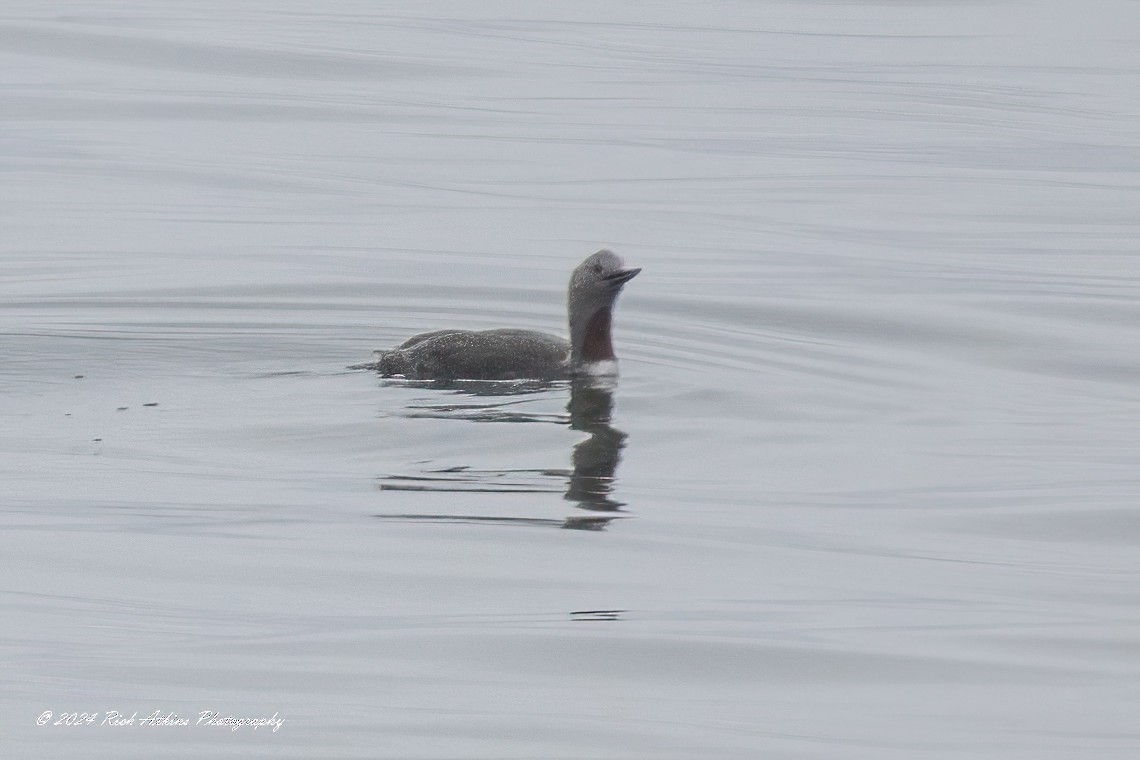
{"x": 504, "y": 354}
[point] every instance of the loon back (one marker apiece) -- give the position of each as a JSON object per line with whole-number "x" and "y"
{"x": 479, "y": 355}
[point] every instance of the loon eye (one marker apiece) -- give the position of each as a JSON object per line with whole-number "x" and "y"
{"x": 597, "y": 268}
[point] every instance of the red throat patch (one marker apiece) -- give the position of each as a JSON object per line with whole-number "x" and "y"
{"x": 596, "y": 346}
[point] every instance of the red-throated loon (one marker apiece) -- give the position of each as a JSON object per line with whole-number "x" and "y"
{"x": 508, "y": 354}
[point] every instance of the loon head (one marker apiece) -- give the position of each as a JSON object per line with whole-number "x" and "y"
{"x": 594, "y": 287}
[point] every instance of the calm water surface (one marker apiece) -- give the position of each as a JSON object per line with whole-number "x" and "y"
{"x": 867, "y": 487}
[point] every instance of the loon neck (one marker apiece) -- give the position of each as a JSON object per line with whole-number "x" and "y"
{"x": 594, "y": 344}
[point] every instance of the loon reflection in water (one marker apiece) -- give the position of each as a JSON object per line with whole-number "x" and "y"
{"x": 589, "y": 484}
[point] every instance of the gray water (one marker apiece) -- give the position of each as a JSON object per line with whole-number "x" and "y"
{"x": 867, "y": 486}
